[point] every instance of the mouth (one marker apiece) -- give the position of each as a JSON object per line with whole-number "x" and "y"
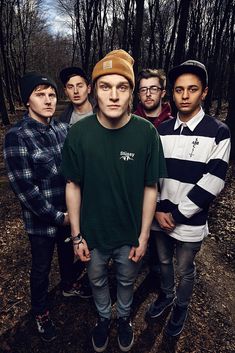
{"x": 184, "y": 104}
{"x": 113, "y": 106}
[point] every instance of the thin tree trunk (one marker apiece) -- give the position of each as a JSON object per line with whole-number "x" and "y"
{"x": 3, "y": 108}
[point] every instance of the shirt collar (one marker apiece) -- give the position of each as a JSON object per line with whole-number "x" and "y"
{"x": 36, "y": 124}
{"x": 192, "y": 123}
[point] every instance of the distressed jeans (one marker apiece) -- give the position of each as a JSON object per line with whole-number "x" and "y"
{"x": 185, "y": 253}
{"x": 126, "y": 272}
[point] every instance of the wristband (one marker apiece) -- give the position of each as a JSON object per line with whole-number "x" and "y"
{"x": 77, "y": 239}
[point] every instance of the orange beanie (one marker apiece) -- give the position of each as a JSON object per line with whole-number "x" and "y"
{"x": 116, "y": 62}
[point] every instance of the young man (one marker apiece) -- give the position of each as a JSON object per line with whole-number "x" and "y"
{"x": 112, "y": 161}
{"x": 32, "y": 153}
{"x": 196, "y": 148}
{"x": 151, "y": 88}
{"x": 77, "y": 90}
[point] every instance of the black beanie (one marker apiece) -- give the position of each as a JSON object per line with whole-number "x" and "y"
{"x": 68, "y": 72}
{"x": 30, "y": 81}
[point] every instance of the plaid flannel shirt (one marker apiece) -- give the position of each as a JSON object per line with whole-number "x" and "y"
{"x": 32, "y": 153}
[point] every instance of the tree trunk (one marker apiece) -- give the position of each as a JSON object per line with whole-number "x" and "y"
{"x": 3, "y": 108}
{"x": 182, "y": 30}
{"x": 138, "y": 33}
{"x": 230, "y": 120}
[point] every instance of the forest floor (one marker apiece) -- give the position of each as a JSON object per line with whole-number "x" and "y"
{"x": 210, "y": 325}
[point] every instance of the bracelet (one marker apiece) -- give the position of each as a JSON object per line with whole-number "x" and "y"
{"x": 78, "y": 242}
{"x": 78, "y": 239}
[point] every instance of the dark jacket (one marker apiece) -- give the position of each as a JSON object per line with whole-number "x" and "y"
{"x": 66, "y": 115}
{"x": 164, "y": 115}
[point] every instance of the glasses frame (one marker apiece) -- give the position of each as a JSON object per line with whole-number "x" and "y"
{"x": 144, "y": 90}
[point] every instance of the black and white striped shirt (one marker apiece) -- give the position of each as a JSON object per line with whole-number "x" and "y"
{"x": 197, "y": 155}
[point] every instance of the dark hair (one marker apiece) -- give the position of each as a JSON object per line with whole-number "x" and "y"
{"x": 148, "y": 73}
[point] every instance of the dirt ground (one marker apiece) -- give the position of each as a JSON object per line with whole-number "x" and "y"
{"x": 211, "y": 322}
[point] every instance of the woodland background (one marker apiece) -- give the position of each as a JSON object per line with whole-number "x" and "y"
{"x": 157, "y": 33}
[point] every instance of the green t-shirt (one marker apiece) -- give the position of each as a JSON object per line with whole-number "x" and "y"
{"x": 112, "y": 167}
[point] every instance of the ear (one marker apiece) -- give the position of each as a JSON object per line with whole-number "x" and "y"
{"x": 204, "y": 93}
{"x": 89, "y": 89}
{"x": 27, "y": 104}
{"x": 163, "y": 93}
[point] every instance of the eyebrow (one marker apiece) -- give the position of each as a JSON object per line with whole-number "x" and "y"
{"x": 75, "y": 84}
{"x": 118, "y": 84}
{"x": 190, "y": 86}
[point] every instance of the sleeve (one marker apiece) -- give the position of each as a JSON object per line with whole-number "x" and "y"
{"x": 20, "y": 176}
{"x": 212, "y": 181}
{"x": 70, "y": 166}
{"x": 155, "y": 165}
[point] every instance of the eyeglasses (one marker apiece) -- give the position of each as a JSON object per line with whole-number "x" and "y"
{"x": 151, "y": 89}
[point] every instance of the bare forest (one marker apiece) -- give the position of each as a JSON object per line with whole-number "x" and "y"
{"x": 158, "y": 34}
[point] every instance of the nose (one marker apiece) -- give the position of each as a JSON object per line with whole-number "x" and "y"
{"x": 114, "y": 94}
{"x": 47, "y": 99}
{"x": 185, "y": 94}
{"x": 75, "y": 89}
{"x": 148, "y": 93}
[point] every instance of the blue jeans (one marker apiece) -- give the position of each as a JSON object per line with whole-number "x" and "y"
{"x": 42, "y": 249}
{"x": 153, "y": 260}
{"x": 126, "y": 272}
{"x": 185, "y": 254}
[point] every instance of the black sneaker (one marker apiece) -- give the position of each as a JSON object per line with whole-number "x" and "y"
{"x": 80, "y": 289}
{"x": 85, "y": 288}
{"x": 176, "y": 321}
{"x": 46, "y": 328}
{"x": 125, "y": 334}
{"x": 71, "y": 292}
{"x": 100, "y": 334}
{"x": 159, "y": 305}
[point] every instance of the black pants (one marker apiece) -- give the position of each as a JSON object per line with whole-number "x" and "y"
{"x": 42, "y": 249}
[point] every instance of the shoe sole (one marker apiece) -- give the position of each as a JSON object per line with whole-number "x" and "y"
{"x": 126, "y": 349}
{"x": 100, "y": 349}
{"x": 154, "y": 316}
{"x": 76, "y": 295}
{"x": 65, "y": 294}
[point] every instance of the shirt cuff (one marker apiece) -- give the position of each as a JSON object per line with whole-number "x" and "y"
{"x": 60, "y": 218}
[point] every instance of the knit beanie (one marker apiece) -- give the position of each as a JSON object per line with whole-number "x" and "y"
{"x": 30, "y": 81}
{"x": 116, "y": 62}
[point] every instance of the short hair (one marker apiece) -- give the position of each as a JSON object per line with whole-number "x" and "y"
{"x": 148, "y": 73}
{"x": 41, "y": 87}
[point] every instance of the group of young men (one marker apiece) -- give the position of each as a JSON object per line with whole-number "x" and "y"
{"x": 98, "y": 184}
